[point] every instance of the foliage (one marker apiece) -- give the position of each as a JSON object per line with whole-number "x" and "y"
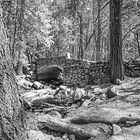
{"x": 54, "y": 27}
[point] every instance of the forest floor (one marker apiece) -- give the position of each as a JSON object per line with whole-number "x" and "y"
{"x": 102, "y": 112}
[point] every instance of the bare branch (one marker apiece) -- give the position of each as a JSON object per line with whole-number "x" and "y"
{"x": 94, "y": 28}
{"x": 101, "y": 10}
{"x": 130, "y": 31}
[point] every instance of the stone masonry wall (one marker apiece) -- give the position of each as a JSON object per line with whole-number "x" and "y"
{"x": 82, "y": 72}
{"x": 132, "y": 69}
{"x": 79, "y": 72}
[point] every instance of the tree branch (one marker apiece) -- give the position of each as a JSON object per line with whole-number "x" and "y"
{"x": 101, "y": 10}
{"x": 94, "y": 28}
{"x": 130, "y": 31}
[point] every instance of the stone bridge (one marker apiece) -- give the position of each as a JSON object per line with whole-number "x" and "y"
{"x": 82, "y": 72}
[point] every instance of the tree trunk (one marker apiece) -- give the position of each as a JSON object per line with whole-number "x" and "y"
{"x": 137, "y": 40}
{"x": 94, "y": 33}
{"x": 80, "y": 52}
{"x": 13, "y": 17}
{"x": 116, "y": 41}
{"x": 98, "y": 49}
{"x": 10, "y": 117}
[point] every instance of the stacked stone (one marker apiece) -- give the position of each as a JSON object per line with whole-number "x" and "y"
{"x": 132, "y": 70}
{"x": 79, "y": 72}
{"x": 99, "y": 73}
{"x": 51, "y": 61}
{"x": 76, "y": 75}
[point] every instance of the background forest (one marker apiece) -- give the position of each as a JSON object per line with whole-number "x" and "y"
{"x": 48, "y": 28}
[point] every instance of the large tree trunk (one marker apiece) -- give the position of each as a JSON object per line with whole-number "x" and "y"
{"x": 13, "y": 12}
{"x": 10, "y": 117}
{"x": 116, "y": 41}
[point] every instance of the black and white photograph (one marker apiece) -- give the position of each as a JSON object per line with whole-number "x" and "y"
{"x": 69, "y": 69}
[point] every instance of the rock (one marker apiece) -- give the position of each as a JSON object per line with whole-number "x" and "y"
{"x": 28, "y": 77}
{"x": 116, "y": 129}
{"x": 65, "y": 137}
{"x": 79, "y": 93}
{"x": 90, "y": 94}
{"x": 63, "y": 87}
{"x": 38, "y": 85}
{"x": 57, "y": 82}
{"x": 110, "y": 93}
{"x": 49, "y": 73}
{"x": 71, "y": 137}
{"x": 98, "y": 91}
{"x": 23, "y": 83}
{"x": 118, "y": 82}
{"x": 61, "y": 95}
{"x": 55, "y": 114}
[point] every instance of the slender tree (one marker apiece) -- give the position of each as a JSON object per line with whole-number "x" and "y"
{"x": 116, "y": 41}
{"x": 98, "y": 45}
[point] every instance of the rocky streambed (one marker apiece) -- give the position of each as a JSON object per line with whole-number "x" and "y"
{"x": 103, "y": 112}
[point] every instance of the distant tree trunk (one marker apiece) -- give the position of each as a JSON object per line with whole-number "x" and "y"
{"x": 81, "y": 51}
{"x": 116, "y": 41}
{"x": 10, "y": 118}
{"x": 19, "y": 66}
{"x": 98, "y": 45}
{"x": 19, "y": 33}
{"x": 94, "y": 33}
{"x": 137, "y": 40}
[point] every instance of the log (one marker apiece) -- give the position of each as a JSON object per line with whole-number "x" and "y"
{"x": 36, "y": 93}
{"x": 38, "y": 102}
{"x": 107, "y": 115}
{"x": 51, "y": 107}
{"x": 63, "y": 125}
{"x": 39, "y": 98}
{"x": 98, "y": 119}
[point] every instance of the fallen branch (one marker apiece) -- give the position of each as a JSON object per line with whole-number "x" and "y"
{"x": 51, "y": 107}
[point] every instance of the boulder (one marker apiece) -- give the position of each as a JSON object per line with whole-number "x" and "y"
{"x": 110, "y": 93}
{"x": 38, "y": 85}
{"x": 116, "y": 129}
{"x": 49, "y": 73}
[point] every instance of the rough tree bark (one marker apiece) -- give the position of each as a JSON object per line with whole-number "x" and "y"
{"x": 10, "y": 112}
{"x": 13, "y": 12}
{"x": 116, "y": 41}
